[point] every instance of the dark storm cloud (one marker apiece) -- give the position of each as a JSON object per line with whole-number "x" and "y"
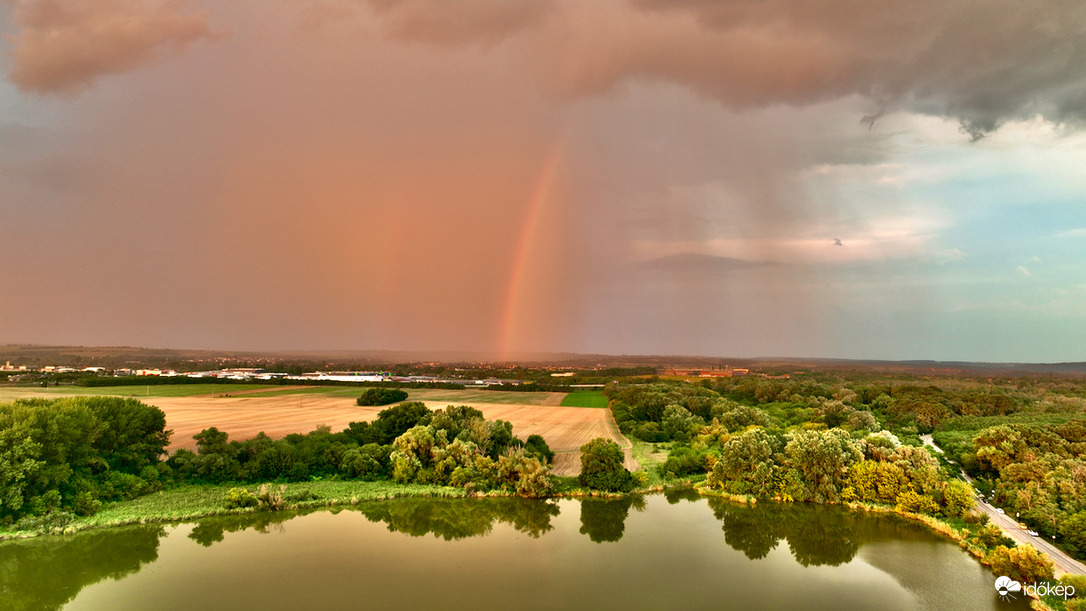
{"x": 63, "y": 46}
{"x": 982, "y": 63}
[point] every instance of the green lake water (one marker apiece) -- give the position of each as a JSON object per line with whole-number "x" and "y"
{"x": 674, "y": 551}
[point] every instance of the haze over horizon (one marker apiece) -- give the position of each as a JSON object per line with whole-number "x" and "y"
{"x": 843, "y": 179}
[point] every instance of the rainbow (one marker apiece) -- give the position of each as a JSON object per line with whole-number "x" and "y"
{"x": 514, "y": 286}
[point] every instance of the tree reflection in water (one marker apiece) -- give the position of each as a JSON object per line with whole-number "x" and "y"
{"x": 675, "y": 495}
{"x": 213, "y": 529}
{"x": 816, "y": 534}
{"x": 48, "y": 572}
{"x": 447, "y": 519}
{"x": 460, "y": 518}
{"x": 604, "y": 520}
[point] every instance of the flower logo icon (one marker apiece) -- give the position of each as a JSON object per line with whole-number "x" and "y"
{"x": 1006, "y": 586}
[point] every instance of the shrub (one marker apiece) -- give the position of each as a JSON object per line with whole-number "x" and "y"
{"x": 240, "y": 497}
{"x": 683, "y": 460}
{"x": 85, "y": 504}
{"x": 537, "y": 446}
{"x": 991, "y": 536}
{"x": 916, "y": 503}
{"x": 381, "y": 396}
{"x": 271, "y": 500}
{"x": 650, "y": 432}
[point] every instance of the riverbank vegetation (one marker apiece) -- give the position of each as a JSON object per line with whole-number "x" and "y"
{"x": 854, "y": 438}
{"x": 821, "y": 437}
{"x": 61, "y": 460}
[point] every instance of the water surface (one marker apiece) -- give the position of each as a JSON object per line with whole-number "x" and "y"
{"x": 662, "y": 551}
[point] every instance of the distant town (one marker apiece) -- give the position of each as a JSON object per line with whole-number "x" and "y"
{"x": 259, "y": 374}
{"x": 245, "y": 374}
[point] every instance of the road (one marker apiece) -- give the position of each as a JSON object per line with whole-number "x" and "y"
{"x": 1062, "y": 562}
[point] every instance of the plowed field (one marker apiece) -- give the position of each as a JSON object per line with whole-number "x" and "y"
{"x": 566, "y": 429}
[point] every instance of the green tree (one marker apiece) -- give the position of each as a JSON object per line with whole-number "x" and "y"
{"x": 381, "y": 396}
{"x": 602, "y": 467}
{"x": 216, "y": 460}
{"x": 678, "y": 422}
{"x": 1073, "y": 531}
{"x": 1023, "y": 563}
{"x": 824, "y": 459}
{"x": 742, "y": 416}
{"x": 132, "y": 435}
{"x": 958, "y": 498}
{"x": 535, "y": 445}
{"x": 745, "y": 465}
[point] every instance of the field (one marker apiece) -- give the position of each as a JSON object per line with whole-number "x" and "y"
{"x": 243, "y": 411}
{"x": 585, "y": 398}
{"x": 154, "y": 390}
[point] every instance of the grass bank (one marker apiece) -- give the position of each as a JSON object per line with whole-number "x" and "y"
{"x": 198, "y": 501}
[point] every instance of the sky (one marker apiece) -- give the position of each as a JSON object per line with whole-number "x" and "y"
{"x": 736, "y": 178}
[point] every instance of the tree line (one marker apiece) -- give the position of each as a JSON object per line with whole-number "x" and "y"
{"x": 65, "y": 457}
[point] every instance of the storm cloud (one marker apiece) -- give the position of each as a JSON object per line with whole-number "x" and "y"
{"x": 833, "y": 178}
{"x": 62, "y": 47}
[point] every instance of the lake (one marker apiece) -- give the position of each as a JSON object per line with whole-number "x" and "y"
{"x": 675, "y": 550}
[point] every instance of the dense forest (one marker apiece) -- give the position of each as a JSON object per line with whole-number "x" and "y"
{"x": 856, "y": 437}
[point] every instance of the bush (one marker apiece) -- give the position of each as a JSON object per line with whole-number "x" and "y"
{"x": 271, "y": 500}
{"x": 683, "y": 460}
{"x": 240, "y": 497}
{"x": 916, "y": 503}
{"x": 381, "y": 396}
{"x": 991, "y": 536}
{"x": 650, "y": 432}
{"x": 85, "y": 504}
{"x": 537, "y": 446}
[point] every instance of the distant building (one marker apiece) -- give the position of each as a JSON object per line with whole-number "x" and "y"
{"x": 349, "y": 376}
{"x": 727, "y": 372}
